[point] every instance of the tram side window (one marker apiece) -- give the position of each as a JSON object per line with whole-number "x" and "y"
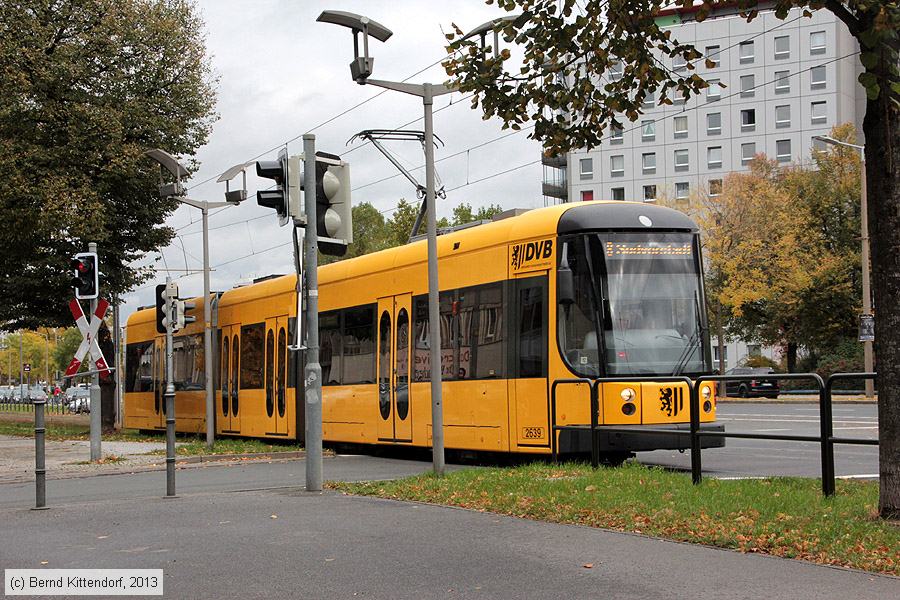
{"x": 188, "y": 362}
{"x": 532, "y": 312}
{"x": 471, "y": 334}
{"x": 252, "y": 356}
{"x": 139, "y": 370}
{"x": 358, "y": 345}
{"x": 330, "y": 347}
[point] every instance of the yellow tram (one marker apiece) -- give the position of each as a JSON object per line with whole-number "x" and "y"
{"x": 592, "y": 289}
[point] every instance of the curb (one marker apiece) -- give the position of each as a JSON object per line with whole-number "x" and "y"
{"x": 247, "y": 456}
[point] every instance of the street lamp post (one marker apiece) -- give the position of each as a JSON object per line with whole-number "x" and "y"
{"x": 232, "y": 198}
{"x": 868, "y": 357}
{"x": 360, "y": 70}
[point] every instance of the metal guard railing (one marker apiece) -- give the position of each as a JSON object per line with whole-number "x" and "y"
{"x": 826, "y": 438}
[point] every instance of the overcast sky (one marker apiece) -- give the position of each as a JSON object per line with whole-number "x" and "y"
{"x": 281, "y": 74}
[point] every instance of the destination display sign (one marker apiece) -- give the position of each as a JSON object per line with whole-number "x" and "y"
{"x": 621, "y": 250}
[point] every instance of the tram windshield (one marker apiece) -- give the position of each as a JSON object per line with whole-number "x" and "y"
{"x": 642, "y": 291}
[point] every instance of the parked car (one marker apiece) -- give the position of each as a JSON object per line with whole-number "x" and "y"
{"x": 78, "y": 400}
{"x": 755, "y": 388}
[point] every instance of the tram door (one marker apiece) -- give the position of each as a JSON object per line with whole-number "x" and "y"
{"x": 276, "y": 375}
{"x": 395, "y": 422}
{"x": 229, "y": 408}
{"x": 159, "y": 382}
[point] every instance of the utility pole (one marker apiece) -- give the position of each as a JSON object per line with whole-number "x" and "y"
{"x": 312, "y": 381}
{"x": 95, "y": 391}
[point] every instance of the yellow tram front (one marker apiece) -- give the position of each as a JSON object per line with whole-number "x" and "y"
{"x": 630, "y": 304}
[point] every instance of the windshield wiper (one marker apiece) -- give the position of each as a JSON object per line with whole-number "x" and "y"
{"x": 692, "y": 344}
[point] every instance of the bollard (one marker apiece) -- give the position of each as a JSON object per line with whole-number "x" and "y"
{"x": 40, "y": 472}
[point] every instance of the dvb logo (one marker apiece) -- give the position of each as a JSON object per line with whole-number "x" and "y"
{"x": 523, "y": 253}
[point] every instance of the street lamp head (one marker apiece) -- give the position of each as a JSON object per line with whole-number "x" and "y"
{"x": 827, "y": 139}
{"x": 494, "y": 25}
{"x": 171, "y": 164}
{"x": 235, "y": 196}
{"x": 361, "y": 67}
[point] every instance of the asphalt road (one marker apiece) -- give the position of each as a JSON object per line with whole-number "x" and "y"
{"x": 286, "y": 543}
{"x": 757, "y": 458}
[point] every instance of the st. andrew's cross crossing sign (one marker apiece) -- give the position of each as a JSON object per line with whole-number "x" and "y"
{"x": 89, "y": 344}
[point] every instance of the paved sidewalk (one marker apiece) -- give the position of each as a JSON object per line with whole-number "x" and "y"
{"x": 287, "y": 543}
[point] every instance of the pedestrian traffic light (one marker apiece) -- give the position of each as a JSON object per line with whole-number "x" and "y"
{"x": 277, "y": 170}
{"x": 86, "y": 280}
{"x": 334, "y": 216}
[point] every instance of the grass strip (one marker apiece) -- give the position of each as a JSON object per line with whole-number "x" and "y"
{"x": 194, "y": 446}
{"x": 63, "y": 431}
{"x": 785, "y": 517}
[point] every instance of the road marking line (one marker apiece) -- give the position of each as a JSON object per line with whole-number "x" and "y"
{"x": 862, "y": 427}
{"x": 863, "y": 476}
{"x": 762, "y": 430}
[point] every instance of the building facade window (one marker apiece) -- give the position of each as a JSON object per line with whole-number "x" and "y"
{"x": 617, "y": 134}
{"x": 818, "y": 113}
{"x": 616, "y": 69}
{"x": 649, "y": 193}
{"x": 713, "y": 92}
{"x": 783, "y": 115}
{"x": 648, "y": 162}
{"x": 618, "y": 193}
{"x": 748, "y": 151}
{"x": 648, "y": 130}
{"x": 681, "y": 126}
{"x": 617, "y": 165}
{"x": 587, "y": 168}
{"x": 817, "y": 42}
{"x": 682, "y": 190}
{"x": 587, "y": 195}
{"x": 713, "y": 56}
{"x": 782, "y": 47}
{"x": 817, "y": 77}
{"x": 748, "y": 86}
{"x": 748, "y": 119}
{"x": 713, "y": 123}
{"x": 679, "y": 63}
{"x": 681, "y": 160}
{"x": 783, "y": 150}
{"x": 714, "y": 157}
{"x": 782, "y": 82}
{"x": 818, "y": 145}
{"x": 746, "y": 52}
{"x": 715, "y": 187}
{"x": 650, "y": 99}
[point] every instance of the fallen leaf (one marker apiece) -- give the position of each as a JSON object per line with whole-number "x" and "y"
{"x": 590, "y": 488}
{"x": 274, "y": 516}
{"x": 102, "y": 537}
{"x": 588, "y": 565}
{"x": 44, "y": 562}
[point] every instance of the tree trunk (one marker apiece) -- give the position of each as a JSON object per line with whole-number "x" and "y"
{"x": 791, "y": 354}
{"x": 882, "y": 130}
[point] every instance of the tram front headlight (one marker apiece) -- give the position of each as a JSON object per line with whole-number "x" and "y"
{"x": 705, "y": 392}
{"x": 628, "y": 395}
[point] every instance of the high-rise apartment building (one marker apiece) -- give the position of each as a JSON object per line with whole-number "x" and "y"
{"x": 786, "y": 80}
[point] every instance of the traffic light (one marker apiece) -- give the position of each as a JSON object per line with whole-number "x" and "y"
{"x": 180, "y": 318}
{"x": 278, "y": 198}
{"x": 86, "y": 280}
{"x": 334, "y": 216}
{"x": 166, "y": 299}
